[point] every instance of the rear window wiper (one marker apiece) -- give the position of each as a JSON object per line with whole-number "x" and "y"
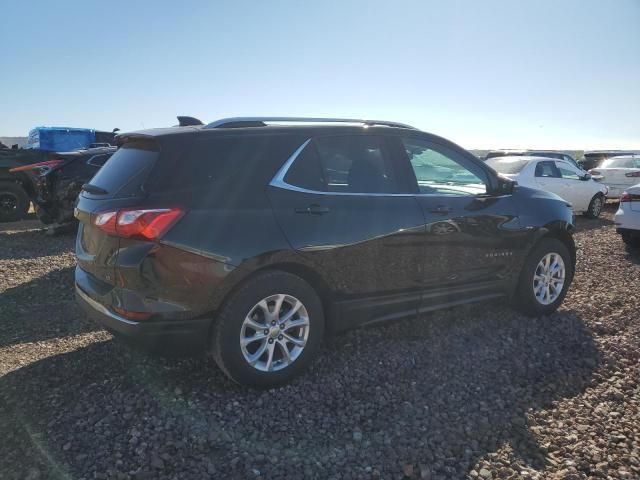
{"x": 87, "y": 187}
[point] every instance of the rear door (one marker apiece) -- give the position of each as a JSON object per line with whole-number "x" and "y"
{"x": 342, "y": 205}
{"x": 470, "y": 237}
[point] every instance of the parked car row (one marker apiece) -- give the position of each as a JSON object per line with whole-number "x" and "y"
{"x": 250, "y": 237}
{"x": 558, "y": 176}
{"x": 533, "y": 153}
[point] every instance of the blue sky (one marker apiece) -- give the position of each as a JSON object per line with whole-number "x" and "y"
{"x": 491, "y": 73}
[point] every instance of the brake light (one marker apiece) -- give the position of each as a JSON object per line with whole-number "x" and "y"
{"x": 629, "y": 197}
{"x": 632, "y": 174}
{"x": 148, "y": 224}
{"x": 46, "y": 166}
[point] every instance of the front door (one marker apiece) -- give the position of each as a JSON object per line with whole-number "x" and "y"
{"x": 471, "y": 238}
{"x": 341, "y": 206}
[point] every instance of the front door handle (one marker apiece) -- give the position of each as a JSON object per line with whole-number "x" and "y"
{"x": 441, "y": 209}
{"x": 313, "y": 210}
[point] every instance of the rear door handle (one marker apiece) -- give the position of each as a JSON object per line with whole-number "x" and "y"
{"x": 441, "y": 209}
{"x": 313, "y": 210}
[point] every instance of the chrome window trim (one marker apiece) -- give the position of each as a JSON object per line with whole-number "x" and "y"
{"x": 278, "y": 182}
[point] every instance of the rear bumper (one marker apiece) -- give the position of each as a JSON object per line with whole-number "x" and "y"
{"x": 627, "y": 219}
{"x": 175, "y": 335}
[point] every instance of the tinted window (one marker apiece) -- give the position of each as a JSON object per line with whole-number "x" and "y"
{"x": 126, "y": 170}
{"x": 439, "y": 170}
{"x": 507, "y": 165}
{"x": 547, "y": 169}
{"x": 205, "y": 161}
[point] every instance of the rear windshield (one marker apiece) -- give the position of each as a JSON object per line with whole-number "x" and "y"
{"x": 559, "y": 156}
{"x": 126, "y": 170}
{"x": 507, "y": 165}
{"x": 621, "y": 163}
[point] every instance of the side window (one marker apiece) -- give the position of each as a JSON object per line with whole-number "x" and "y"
{"x": 440, "y": 171}
{"x": 567, "y": 172}
{"x": 356, "y": 164}
{"x": 547, "y": 170}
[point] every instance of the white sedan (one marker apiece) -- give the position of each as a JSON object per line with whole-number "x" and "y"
{"x": 558, "y": 176}
{"x": 627, "y": 217}
{"x": 618, "y": 173}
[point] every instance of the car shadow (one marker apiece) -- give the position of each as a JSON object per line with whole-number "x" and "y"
{"x": 633, "y": 253}
{"x": 442, "y": 392}
{"x": 42, "y": 309}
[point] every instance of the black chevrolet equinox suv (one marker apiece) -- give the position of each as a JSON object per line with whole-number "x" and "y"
{"x": 252, "y": 237}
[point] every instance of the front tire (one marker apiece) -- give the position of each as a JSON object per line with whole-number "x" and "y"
{"x": 269, "y": 330}
{"x": 545, "y": 278}
{"x": 595, "y": 206}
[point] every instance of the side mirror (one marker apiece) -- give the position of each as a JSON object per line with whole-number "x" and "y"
{"x": 503, "y": 186}
{"x": 585, "y": 177}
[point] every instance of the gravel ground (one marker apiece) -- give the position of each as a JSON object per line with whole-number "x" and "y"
{"x": 477, "y": 391}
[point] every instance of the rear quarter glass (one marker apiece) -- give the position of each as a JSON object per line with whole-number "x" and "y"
{"x": 124, "y": 174}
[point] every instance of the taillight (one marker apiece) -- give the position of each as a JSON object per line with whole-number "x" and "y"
{"x": 629, "y": 197}
{"x": 632, "y": 174}
{"x": 148, "y": 224}
{"x": 45, "y": 166}
{"x": 131, "y": 315}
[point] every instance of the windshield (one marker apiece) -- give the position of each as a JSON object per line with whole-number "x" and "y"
{"x": 621, "y": 162}
{"x": 507, "y": 165}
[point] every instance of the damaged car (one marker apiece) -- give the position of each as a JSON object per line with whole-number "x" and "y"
{"x": 57, "y": 181}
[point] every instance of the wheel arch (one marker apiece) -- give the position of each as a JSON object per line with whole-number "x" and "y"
{"x": 306, "y": 273}
{"x": 564, "y": 234}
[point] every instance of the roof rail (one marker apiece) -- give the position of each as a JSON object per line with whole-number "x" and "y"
{"x": 236, "y": 122}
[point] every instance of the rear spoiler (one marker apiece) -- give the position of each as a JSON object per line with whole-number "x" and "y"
{"x": 184, "y": 121}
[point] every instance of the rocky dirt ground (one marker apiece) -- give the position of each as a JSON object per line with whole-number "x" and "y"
{"x": 477, "y": 392}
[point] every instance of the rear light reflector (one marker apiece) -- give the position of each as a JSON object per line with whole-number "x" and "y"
{"x": 48, "y": 165}
{"x": 147, "y": 224}
{"x": 632, "y": 174}
{"x": 629, "y": 197}
{"x": 131, "y": 315}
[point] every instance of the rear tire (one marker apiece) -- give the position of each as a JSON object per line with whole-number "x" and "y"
{"x": 14, "y": 202}
{"x": 534, "y": 281}
{"x": 595, "y": 206}
{"x": 259, "y": 309}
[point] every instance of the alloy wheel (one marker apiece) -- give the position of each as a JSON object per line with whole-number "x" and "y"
{"x": 549, "y": 278}
{"x": 596, "y": 206}
{"x": 274, "y": 332}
